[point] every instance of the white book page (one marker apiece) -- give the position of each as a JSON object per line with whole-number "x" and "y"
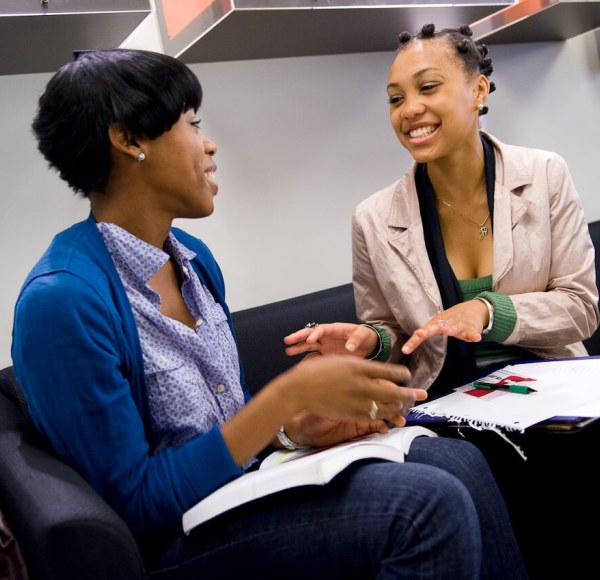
{"x": 397, "y": 438}
{"x": 284, "y": 469}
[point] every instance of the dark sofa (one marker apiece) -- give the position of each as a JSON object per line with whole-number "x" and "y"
{"x": 66, "y": 531}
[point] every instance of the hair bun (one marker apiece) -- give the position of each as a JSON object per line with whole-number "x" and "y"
{"x": 428, "y": 30}
{"x": 404, "y": 37}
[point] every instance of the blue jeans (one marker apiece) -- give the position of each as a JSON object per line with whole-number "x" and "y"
{"x": 439, "y": 515}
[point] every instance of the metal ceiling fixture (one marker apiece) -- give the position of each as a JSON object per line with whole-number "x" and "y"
{"x": 41, "y": 35}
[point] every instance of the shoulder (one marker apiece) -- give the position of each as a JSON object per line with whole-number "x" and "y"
{"x": 74, "y": 280}
{"x": 382, "y": 200}
{"x": 395, "y": 206}
{"x": 53, "y": 295}
{"x": 526, "y": 163}
{"x": 58, "y": 309}
{"x": 77, "y": 258}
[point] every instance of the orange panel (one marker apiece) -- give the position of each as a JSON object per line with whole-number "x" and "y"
{"x": 179, "y": 13}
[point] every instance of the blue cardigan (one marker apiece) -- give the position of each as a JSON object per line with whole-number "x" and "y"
{"x": 77, "y": 355}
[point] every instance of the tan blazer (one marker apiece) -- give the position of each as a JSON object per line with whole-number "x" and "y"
{"x": 543, "y": 259}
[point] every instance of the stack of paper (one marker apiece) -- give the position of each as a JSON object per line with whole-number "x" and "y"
{"x": 562, "y": 387}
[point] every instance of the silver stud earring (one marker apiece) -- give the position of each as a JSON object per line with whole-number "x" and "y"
{"x": 480, "y": 107}
{"x": 140, "y": 157}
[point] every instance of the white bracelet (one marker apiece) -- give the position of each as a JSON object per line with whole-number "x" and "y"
{"x": 490, "y": 308}
{"x": 286, "y": 441}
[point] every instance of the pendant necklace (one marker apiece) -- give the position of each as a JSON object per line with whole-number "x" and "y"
{"x": 483, "y": 229}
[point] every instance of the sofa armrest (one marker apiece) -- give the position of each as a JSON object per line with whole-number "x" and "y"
{"x": 63, "y": 527}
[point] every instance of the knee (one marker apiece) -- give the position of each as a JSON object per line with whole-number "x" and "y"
{"x": 457, "y": 456}
{"x": 470, "y": 463}
{"x": 439, "y": 497}
{"x": 450, "y": 497}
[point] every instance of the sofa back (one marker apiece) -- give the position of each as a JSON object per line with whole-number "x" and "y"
{"x": 260, "y": 330}
{"x": 593, "y": 343}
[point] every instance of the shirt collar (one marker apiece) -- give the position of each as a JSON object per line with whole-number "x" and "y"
{"x": 139, "y": 259}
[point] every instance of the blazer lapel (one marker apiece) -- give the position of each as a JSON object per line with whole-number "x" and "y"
{"x": 407, "y": 238}
{"x": 509, "y": 208}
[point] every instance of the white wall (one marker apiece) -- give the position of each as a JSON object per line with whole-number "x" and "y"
{"x": 301, "y": 142}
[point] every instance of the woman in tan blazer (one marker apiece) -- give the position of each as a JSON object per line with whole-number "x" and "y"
{"x": 480, "y": 253}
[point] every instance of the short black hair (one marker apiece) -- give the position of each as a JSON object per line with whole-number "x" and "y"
{"x": 141, "y": 91}
{"x": 473, "y": 55}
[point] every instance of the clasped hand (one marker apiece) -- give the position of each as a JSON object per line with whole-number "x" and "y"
{"x": 340, "y": 397}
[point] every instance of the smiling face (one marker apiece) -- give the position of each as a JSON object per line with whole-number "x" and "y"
{"x": 434, "y": 102}
{"x": 179, "y": 170}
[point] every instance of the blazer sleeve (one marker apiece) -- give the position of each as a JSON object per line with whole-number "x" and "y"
{"x": 566, "y": 310}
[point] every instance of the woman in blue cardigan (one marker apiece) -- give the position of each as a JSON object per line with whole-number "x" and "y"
{"x": 125, "y": 350}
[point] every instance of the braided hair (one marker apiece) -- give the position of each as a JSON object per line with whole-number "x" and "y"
{"x": 473, "y": 55}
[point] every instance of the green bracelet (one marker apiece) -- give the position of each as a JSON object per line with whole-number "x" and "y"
{"x": 384, "y": 347}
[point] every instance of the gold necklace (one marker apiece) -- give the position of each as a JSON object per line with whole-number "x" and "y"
{"x": 483, "y": 229}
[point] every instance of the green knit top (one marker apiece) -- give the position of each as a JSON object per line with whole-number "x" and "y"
{"x": 489, "y": 350}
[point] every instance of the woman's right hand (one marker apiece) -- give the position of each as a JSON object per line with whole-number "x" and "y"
{"x": 344, "y": 388}
{"x": 340, "y": 397}
{"x": 322, "y": 400}
{"x": 333, "y": 338}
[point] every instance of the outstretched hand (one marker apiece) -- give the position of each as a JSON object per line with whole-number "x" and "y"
{"x": 464, "y": 321}
{"x": 334, "y": 338}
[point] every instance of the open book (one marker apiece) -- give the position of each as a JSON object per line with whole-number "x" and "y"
{"x": 284, "y": 469}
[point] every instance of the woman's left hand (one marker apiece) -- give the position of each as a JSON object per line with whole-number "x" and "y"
{"x": 332, "y": 338}
{"x": 464, "y": 321}
{"x": 322, "y": 432}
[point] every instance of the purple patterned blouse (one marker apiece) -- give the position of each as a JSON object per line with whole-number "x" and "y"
{"x": 192, "y": 375}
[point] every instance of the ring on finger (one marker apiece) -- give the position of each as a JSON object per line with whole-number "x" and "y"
{"x": 373, "y": 411}
{"x": 312, "y": 325}
{"x": 442, "y": 323}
